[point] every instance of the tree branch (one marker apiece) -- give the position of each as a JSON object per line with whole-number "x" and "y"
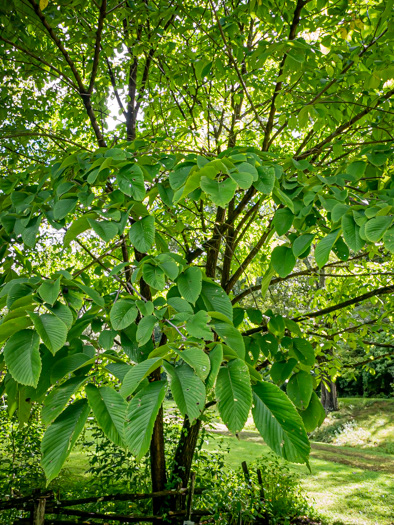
{"x": 97, "y": 46}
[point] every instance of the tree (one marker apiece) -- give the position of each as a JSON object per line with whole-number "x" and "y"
{"x": 251, "y": 149}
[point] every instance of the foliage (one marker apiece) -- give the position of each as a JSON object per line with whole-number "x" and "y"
{"x": 255, "y": 141}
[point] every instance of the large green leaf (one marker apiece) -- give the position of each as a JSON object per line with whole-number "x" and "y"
{"x": 51, "y": 329}
{"x": 22, "y": 357}
{"x": 282, "y": 221}
{"x": 198, "y": 360}
{"x": 154, "y": 276}
{"x": 375, "y": 228}
{"x": 106, "y": 230}
{"x": 190, "y": 284}
{"x": 109, "y": 409}
{"x": 234, "y": 394}
{"x": 231, "y": 336}
{"x": 123, "y": 314}
{"x": 13, "y": 325}
{"x": 197, "y": 326}
{"x": 283, "y": 260}
{"x": 69, "y": 364}
{"x": 77, "y": 227}
{"x": 303, "y": 350}
{"x": 302, "y": 243}
{"x": 142, "y": 234}
{"x": 131, "y": 181}
{"x": 145, "y": 329}
{"x": 63, "y": 207}
{"x": 220, "y": 193}
{"x": 61, "y": 436}
{"x": 324, "y": 247}
{"x": 281, "y": 370}
{"x": 63, "y": 312}
{"x": 137, "y": 373}
{"x": 279, "y": 423}
{"x": 300, "y": 388}
{"x": 314, "y": 415}
{"x": 216, "y": 299}
{"x": 351, "y": 233}
{"x": 58, "y": 398}
{"x": 49, "y": 291}
{"x": 141, "y": 416}
{"x": 187, "y": 389}
{"x": 266, "y": 179}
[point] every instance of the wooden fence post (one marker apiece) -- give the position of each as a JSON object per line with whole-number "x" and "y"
{"x": 37, "y": 515}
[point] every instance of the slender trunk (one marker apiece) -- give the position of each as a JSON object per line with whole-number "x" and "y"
{"x": 329, "y": 398}
{"x": 183, "y": 459}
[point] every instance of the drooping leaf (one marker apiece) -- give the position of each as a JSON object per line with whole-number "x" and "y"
{"x": 216, "y": 358}
{"x": 314, "y": 415}
{"x": 300, "y": 388}
{"x": 51, "y": 329}
{"x": 93, "y": 294}
{"x": 303, "y": 351}
{"x": 281, "y": 370}
{"x": 109, "y": 409}
{"x": 324, "y": 247}
{"x": 58, "y": 398}
{"x": 216, "y": 299}
{"x": 49, "y": 291}
{"x": 197, "y": 326}
{"x": 234, "y": 394}
{"x": 22, "y": 357}
{"x": 106, "y": 230}
{"x": 142, "y": 234}
{"x": 198, "y": 360}
{"x": 154, "y": 276}
{"x": 220, "y": 193}
{"x": 123, "y": 314}
{"x": 69, "y": 364}
{"x": 375, "y": 228}
{"x": 61, "y": 436}
{"x": 141, "y": 416}
{"x": 190, "y": 283}
{"x": 231, "y": 336}
{"x": 137, "y": 373}
{"x": 279, "y": 423}
{"x": 282, "y": 221}
{"x": 351, "y": 233}
{"x": 187, "y": 388}
{"x": 145, "y": 329}
{"x": 283, "y": 260}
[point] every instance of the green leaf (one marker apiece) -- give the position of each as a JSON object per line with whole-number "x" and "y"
{"x": 283, "y": 260}
{"x": 279, "y": 423}
{"x": 61, "y": 436}
{"x": 154, "y": 276}
{"x": 198, "y": 360}
{"x": 266, "y": 179}
{"x": 282, "y": 221}
{"x": 302, "y": 243}
{"x": 300, "y": 388}
{"x": 63, "y": 207}
{"x": 243, "y": 180}
{"x": 90, "y": 292}
{"x": 234, "y": 394}
{"x": 30, "y": 232}
{"x": 69, "y": 364}
{"x": 388, "y": 239}
{"x": 351, "y": 233}
{"x": 130, "y": 180}
{"x": 197, "y": 326}
{"x": 141, "y": 416}
{"x": 304, "y": 352}
{"x": 314, "y": 415}
{"x": 63, "y": 312}
{"x": 231, "y": 336}
{"x": 376, "y": 227}
{"x": 137, "y": 374}
{"x": 338, "y": 212}
{"x": 142, "y": 234}
{"x": 49, "y": 291}
{"x": 190, "y": 284}
{"x": 109, "y": 409}
{"x": 77, "y": 227}
{"x": 356, "y": 169}
{"x": 106, "y": 230}
{"x": 58, "y": 398}
{"x": 51, "y": 329}
{"x": 220, "y": 193}
{"x": 188, "y": 390}
{"x": 13, "y": 325}
{"x": 22, "y": 357}
{"x": 216, "y": 358}
{"x": 145, "y": 329}
{"x": 281, "y": 370}
{"x": 123, "y": 314}
{"x": 216, "y": 299}
{"x": 324, "y": 247}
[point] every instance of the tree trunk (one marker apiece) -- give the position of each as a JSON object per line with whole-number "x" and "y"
{"x": 183, "y": 459}
{"x": 329, "y": 398}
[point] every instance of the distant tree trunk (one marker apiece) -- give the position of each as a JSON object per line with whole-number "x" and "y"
{"x": 329, "y": 398}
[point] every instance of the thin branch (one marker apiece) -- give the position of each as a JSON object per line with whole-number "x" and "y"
{"x": 97, "y": 45}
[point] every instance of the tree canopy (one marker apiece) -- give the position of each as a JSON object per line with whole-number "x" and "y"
{"x": 193, "y": 194}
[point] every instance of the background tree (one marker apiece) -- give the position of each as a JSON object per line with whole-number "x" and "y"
{"x": 250, "y": 152}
